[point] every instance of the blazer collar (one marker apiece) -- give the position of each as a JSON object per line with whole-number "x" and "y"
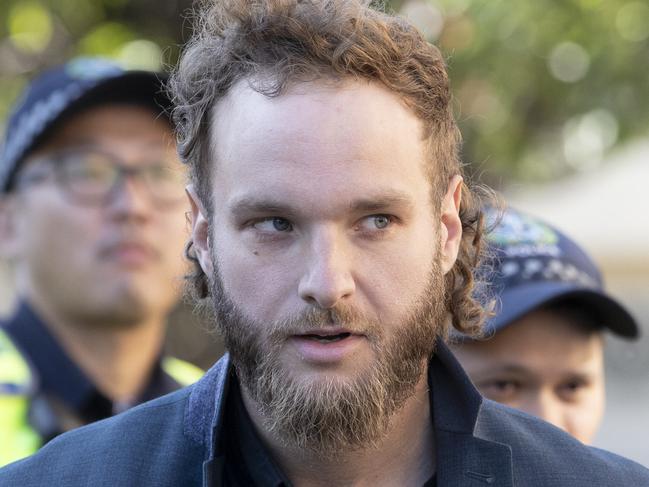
{"x": 203, "y": 420}
{"x": 464, "y": 457}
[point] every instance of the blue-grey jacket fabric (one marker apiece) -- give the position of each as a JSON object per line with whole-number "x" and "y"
{"x": 176, "y": 441}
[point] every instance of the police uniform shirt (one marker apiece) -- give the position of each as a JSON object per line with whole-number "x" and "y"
{"x": 65, "y": 397}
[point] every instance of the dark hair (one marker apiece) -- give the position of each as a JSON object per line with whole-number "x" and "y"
{"x": 273, "y": 43}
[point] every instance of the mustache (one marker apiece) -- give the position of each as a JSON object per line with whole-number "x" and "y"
{"x": 312, "y": 318}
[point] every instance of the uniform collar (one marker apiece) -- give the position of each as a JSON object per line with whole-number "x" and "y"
{"x": 57, "y": 376}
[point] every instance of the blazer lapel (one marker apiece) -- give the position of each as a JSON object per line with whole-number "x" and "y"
{"x": 464, "y": 460}
{"x": 204, "y": 417}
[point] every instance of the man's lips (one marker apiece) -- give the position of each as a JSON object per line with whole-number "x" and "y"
{"x": 326, "y": 345}
{"x": 130, "y": 253}
{"x": 327, "y": 334}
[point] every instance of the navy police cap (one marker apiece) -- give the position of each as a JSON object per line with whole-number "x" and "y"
{"x": 533, "y": 264}
{"x": 64, "y": 90}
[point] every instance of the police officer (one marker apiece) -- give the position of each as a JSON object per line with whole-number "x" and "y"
{"x": 92, "y": 222}
{"x": 544, "y": 349}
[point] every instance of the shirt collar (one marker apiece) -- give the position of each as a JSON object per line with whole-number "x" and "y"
{"x": 455, "y": 406}
{"x": 455, "y": 401}
{"x": 250, "y": 460}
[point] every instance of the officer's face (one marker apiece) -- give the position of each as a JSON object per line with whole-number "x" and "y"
{"x": 322, "y": 205}
{"x": 95, "y": 260}
{"x": 545, "y": 365}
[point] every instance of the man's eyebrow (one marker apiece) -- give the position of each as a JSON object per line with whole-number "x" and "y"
{"x": 90, "y": 142}
{"x": 67, "y": 142}
{"x": 259, "y": 205}
{"x": 251, "y": 205}
{"x": 514, "y": 369}
{"x": 381, "y": 202}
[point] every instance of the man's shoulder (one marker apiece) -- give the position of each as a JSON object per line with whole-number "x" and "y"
{"x": 545, "y": 455}
{"x": 146, "y": 445}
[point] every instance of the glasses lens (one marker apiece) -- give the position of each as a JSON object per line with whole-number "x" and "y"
{"x": 165, "y": 183}
{"x": 88, "y": 175}
{"x": 91, "y": 176}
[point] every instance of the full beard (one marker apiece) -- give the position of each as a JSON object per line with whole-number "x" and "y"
{"x": 330, "y": 417}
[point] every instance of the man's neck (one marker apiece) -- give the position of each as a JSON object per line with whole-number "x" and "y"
{"x": 405, "y": 456}
{"x": 117, "y": 359}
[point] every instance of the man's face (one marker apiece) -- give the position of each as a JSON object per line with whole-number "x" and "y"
{"x": 324, "y": 248}
{"x": 114, "y": 262}
{"x": 546, "y": 365}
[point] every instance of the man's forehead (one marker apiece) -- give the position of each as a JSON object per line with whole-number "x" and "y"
{"x": 350, "y": 120}
{"x": 102, "y": 125}
{"x": 341, "y": 100}
{"x": 324, "y": 147}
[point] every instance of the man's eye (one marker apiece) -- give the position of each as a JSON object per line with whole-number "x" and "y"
{"x": 274, "y": 224}
{"x": 571, "y": 389}
{"x": 91, "y": 173}
{"x": 375, "y": 222}
{"x": 500, "y": 389}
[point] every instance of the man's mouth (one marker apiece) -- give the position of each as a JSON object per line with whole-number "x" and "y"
{"x": 327, "y": 345}
{"x": 129, "y": 252}
{"x": 326, "y": 338}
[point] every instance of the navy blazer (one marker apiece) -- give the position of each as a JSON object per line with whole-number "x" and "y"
{"x": 174, "y": 441}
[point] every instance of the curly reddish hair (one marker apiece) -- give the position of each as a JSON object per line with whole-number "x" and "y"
{"x": 274, "y": 43}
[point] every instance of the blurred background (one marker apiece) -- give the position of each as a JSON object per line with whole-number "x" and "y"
{"x": 552, "y": 97}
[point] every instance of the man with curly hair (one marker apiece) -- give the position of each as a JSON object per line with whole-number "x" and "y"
{"x": 334, "y": 241}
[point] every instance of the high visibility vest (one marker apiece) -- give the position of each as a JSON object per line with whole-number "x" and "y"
{"x": 18, "y": 438}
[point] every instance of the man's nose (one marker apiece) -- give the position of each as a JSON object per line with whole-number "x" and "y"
{"x": 328, "y": 277}
{"x": 545, "y": 405}
{"x": 129, "y": 200}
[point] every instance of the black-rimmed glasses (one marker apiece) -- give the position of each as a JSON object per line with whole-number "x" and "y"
{"x": 91, "y": 176}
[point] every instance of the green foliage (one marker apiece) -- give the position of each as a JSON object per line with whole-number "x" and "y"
{"x": 543, "y": 87}
{"x": 546, "y": 87}
{"x": 106, "y": 39}
{"x": 29, "y": 25}
{"x": 37, "y": 34}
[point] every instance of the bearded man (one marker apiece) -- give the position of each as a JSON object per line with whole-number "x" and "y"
{"x": 334, "y": 238}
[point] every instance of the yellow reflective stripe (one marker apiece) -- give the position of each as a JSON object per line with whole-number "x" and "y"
{"x": 182, "y": 372}
{"x": 18, "y": 438}
{"x": 13, "y": 368}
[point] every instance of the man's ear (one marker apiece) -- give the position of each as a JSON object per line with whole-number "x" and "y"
{"x": 451, "y": 225}
{"x": 200, "y": 231}
{"x": 9, "y": 238}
